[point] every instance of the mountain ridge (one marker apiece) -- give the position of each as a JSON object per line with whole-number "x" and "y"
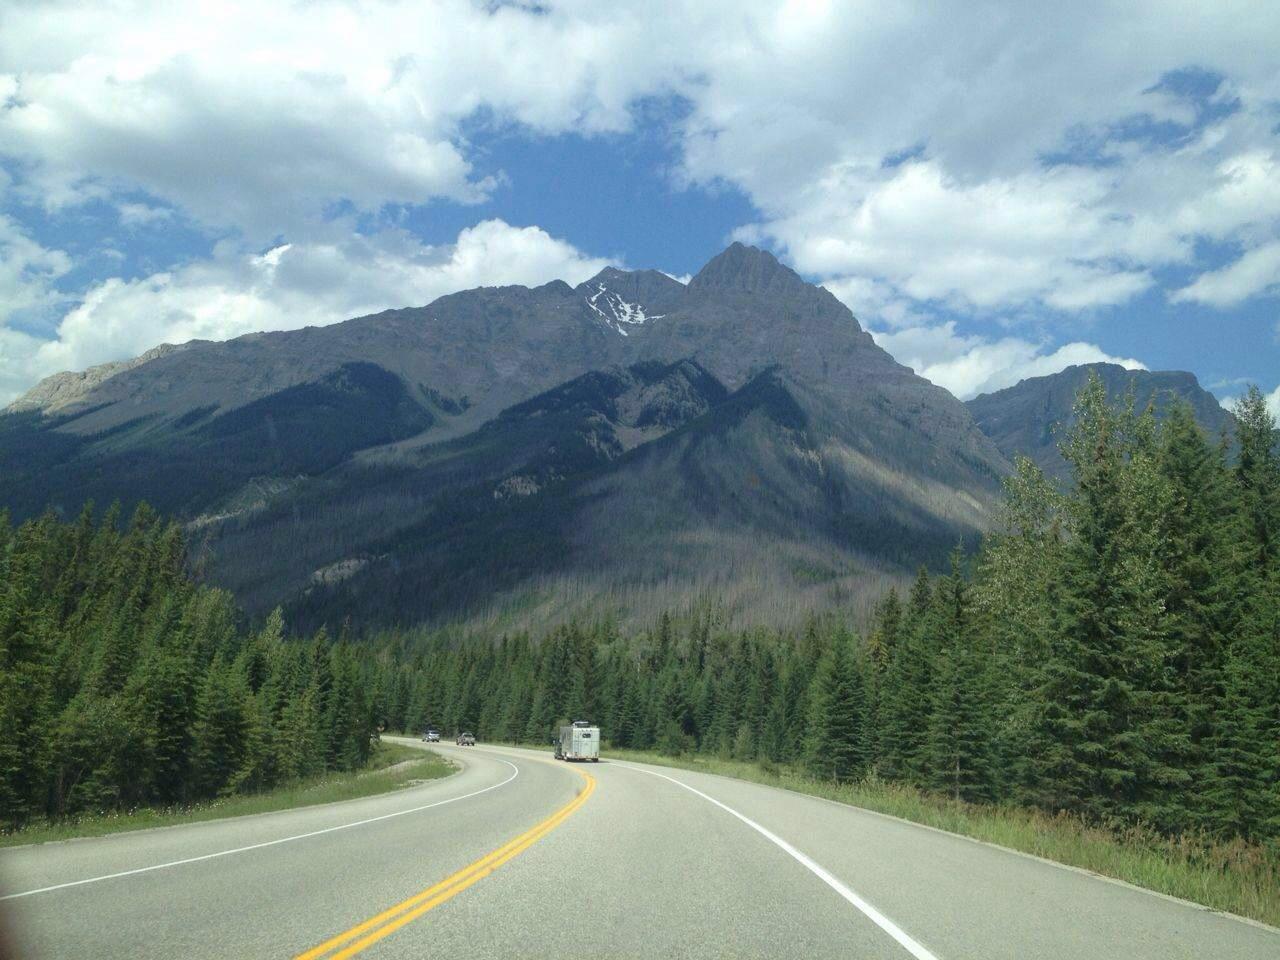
{"x": 1031, "y": 417}
{"x": 534, "y": 449}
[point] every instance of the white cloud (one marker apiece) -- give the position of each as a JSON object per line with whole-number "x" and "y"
{"x": 804, "y": 113}
{"x": 992, "y": 244}
{"x": 964, "y": 364}
{"x": 970, "y": 365}
{"x": 1243, "y": 194}
{"x": 261, "y": 119}
{"x": 290, "y": 286}
{"x": 27, "y": 274}
{"x": 142, "y": 214}
{"x": 1256, "y": 272}
{"x": 17, "y": 363}
{"x": 260, "y": 116}
{"x": 1272, "y": 399}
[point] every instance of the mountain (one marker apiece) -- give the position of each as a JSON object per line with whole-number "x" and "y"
{"x": 1031, "y": 418}
{"x": 531, "y": 449}
{"x": 651, "y": 486}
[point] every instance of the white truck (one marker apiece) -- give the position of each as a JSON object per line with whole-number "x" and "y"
{"x": 579, "y": 741}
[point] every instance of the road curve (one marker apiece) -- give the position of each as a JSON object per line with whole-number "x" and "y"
{"x": 519, "y": 856}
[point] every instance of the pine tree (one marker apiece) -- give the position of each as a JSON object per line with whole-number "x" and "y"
{"x": 838, "y": 743}
{"x": 220, "y": 729}
{"x": 1258, "y": 480}
{"x": 904, "y": 709}
{"x": 1236, "y": 801}
{"x": 1104, "y": 730}
{"x": 882, "y": 647}
{"x": 957, "y": 750}
{"x": 25, "y": 676}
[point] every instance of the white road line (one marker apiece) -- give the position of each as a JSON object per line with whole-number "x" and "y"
{"x": 914, "y": 947}
{"x": 268, "y": 843}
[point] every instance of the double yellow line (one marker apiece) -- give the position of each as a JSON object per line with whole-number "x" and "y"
{"x": 392, "y": 919}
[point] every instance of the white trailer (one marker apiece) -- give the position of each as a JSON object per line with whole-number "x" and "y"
{"x": 579, "y": 741}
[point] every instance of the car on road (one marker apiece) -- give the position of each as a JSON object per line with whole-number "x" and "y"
{"x": 466, "y": 739}
{"x": 431, "y": 735}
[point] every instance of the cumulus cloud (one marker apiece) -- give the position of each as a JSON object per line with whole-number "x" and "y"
{"x": 970, "y": 365}
{"x": 28, "y": 272}
{"x": 293, "y": 285}
{"x": 1230, "y": 401}
{"x": 1001, "y": 157}
{"x": 1013, "y": 160}
{"x": 259, "y": 116}
{"x": 992, "y": 244}
{"x": 967, "y": 365}
{"x": 1256, "y": 272}
{"x": 255, "y": 115}
{"x": 18, "y": 368}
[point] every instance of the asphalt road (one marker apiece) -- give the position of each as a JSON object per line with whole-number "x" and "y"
{"x": 520, "y": 856}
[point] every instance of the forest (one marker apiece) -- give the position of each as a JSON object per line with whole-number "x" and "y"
{"x": 1111, "y": 650}
{"x": 123, "y": 683}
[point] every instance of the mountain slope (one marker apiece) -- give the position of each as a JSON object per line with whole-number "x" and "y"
{"x": 1031, "y": 418}
{"x": 474, "y": 429}
{"x": 760, "y": 501}
{"x": 443, "y": 505}
{"x": 200, "y": 457}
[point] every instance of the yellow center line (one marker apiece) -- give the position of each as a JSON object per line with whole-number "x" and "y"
{"x": 393, "y": 918}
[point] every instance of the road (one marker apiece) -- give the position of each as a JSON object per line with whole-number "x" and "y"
{"x": 520, "y": 856}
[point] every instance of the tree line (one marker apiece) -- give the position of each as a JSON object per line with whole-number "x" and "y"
{"x": 123, "y": 683}
{"x": 1112, "y": 650}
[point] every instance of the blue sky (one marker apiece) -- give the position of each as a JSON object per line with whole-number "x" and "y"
{"x": 996, "y": 191}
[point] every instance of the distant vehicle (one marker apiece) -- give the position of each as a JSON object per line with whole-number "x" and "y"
{"x": 466, "y": 739}
{"x": 431, "y": 735}
{"x": 579, "y": 741}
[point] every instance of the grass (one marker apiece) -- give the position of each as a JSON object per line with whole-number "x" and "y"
{"x": 1234, "y": 877}
{"x": 391, "y": 767}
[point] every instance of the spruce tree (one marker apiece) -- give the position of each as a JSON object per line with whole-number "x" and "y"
{"x": 837, "y": 746}
{"x": 905, "y": 691}
{"x": 957, "y": 750}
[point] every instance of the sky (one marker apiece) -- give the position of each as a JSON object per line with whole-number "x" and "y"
{"x": 996, "y": 189}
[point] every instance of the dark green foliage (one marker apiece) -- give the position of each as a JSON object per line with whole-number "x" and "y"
{"x": 122, "y": 683}
{"x": 1114, "y": 652}
{"x": 956, "y": 758}
{"x": 838, "y": 746}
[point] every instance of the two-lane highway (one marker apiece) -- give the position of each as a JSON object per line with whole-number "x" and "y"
{"x": 271, "y": 885}
{"x": 520, "y": 856}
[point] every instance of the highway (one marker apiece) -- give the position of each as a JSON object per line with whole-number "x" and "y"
{"x": 520, "y": 856}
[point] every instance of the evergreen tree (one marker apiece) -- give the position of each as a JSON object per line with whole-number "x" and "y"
{"x": 838, "y": 747}
{"x": 904, "y": 708}
{"x": 957, "y": 750}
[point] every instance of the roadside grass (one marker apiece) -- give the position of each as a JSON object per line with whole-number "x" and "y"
{"x": 391, "y": 767}
{"x": 1235, "y": 877}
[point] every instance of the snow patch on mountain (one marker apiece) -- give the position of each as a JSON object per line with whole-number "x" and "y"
{"x": 615, "y": 312}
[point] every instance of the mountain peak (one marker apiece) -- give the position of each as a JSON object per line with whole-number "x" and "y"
{"x": 646, "y": 282}
{"x": 624, "y": 299}
{"x": 748, "y": 269}
{"x": 1031, "y": 417}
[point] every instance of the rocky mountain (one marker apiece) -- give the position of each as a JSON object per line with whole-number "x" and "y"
{"x": 532, "y": 450}
{"x": 1032, "y": 417}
